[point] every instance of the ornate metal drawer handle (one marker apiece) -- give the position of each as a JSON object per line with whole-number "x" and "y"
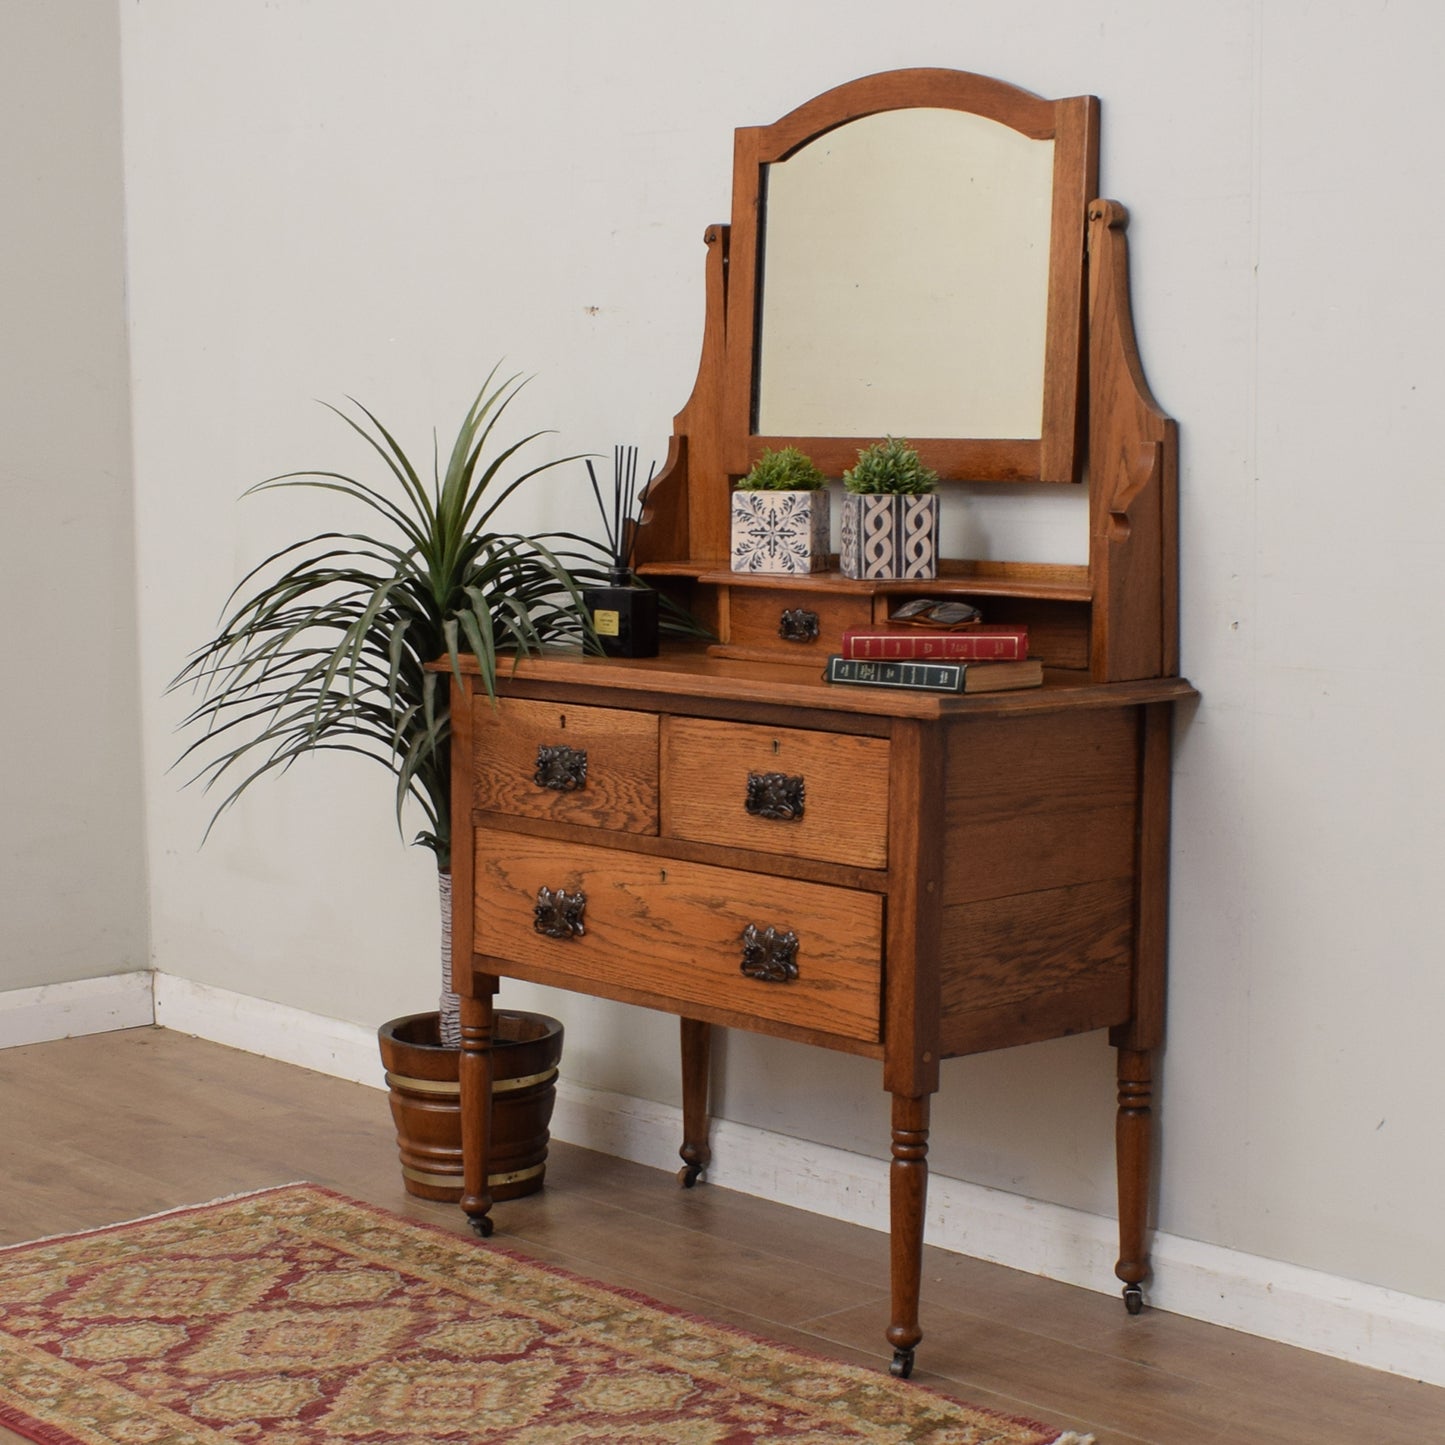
{"x": 558, "y": 914}
{"x": 561, "y": 768}
{"x": 775, "y": 795}
{"x": 769, "y": 956}
{"x": 798, "y": 624}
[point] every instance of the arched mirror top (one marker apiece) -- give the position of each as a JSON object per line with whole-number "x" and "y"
{"x": 906, "y": 258}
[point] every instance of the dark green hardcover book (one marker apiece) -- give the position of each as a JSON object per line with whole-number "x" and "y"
{"x": 935, "y": 676}
{"x": 924, "y": 676}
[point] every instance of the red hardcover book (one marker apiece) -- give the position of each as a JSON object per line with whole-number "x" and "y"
{"x": 969, "y": 644}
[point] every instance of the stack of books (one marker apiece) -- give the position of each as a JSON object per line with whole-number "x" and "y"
{"x": 972, "y": 659}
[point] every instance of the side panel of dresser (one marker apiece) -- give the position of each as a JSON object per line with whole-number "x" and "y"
{"x": 1040, "y": 888}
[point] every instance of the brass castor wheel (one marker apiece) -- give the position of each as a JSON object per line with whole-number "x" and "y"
{"x": 481, "y": 1225}
{"x": 1133, "y": 1298}
{"x": 689, "y": 1174}
{"x": 902, "y": 1366}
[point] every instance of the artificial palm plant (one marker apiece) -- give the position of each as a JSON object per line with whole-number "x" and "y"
{"x": 325, "y": 644}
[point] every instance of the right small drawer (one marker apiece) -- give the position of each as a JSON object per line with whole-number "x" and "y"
{"x": 776, "y": 790}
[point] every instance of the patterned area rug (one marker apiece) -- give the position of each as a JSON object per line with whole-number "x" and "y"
{"x": 297, "y": 1317}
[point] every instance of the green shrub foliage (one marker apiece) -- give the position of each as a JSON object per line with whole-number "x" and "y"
{"x": 784, "y": 470}
{"x": 890, "y": 466}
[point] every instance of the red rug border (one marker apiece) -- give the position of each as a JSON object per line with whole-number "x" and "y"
{"x": 43, "y": 1434}
{"x": 31, "y": 1429}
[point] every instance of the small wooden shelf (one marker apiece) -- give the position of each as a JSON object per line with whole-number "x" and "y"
{"x": 1054, "y": 600}
{"x": 1053, "y": 582}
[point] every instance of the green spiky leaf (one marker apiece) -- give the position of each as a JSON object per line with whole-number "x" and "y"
{"x": 325, "y": 644}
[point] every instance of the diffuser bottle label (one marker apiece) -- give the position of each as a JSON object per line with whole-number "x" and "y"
{"x": 607, "y": 622}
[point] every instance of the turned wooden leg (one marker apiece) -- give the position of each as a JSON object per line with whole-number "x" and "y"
{"x": 475, "y": 1076}
{"x": 907, "y": 1191}
{"x": 1134, "y": 1148}
{"x": 696, "y": 1059}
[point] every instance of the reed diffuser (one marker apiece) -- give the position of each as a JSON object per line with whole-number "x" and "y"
{"x": 624, "y": 612}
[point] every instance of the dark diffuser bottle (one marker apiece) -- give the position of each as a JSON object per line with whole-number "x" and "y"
{"x": 624, "y": 615}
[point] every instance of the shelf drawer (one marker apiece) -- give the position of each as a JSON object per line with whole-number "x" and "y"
{"x": 755, "y": 620}
{"x": 595, "y": 766}
{"x": 737, "y": 784}
{"x": 675, "y": 932}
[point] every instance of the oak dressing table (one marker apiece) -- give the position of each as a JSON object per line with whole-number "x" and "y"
{"x": 943, "y": 874}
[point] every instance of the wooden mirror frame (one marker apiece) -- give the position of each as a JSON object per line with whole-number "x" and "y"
{"x": 1073, "y": 126}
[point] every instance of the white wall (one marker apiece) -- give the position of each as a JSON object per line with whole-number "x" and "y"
{"x": 72, "y": 846}
{"x": 329, "y": 198}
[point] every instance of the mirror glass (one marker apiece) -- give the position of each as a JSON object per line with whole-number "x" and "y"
{"x": 904, "y": 274}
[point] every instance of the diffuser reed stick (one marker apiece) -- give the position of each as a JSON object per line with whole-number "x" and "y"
{"x": 622, "y": 614}
{"x": 618, "y": 520}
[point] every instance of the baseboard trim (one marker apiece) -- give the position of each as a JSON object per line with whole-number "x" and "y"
{"x": 1363, "y": 1323}
{"x": 86, "y": 1006}
{"x": 1327, "y": 1314}
{"x": 277, "y": 1031}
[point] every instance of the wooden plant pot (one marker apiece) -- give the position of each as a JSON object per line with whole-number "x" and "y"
{"x": 889, "y": 536}
{"x": 421, "y": 1074}
{"x": 779, "y": 533}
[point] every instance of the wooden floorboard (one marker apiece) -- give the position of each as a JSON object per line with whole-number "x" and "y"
{"x": 115, "y": 1126}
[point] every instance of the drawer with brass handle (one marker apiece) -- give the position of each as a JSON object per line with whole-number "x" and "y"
{"x": 595, "y": 766}
{"x": 681, "y": 933}
{"x": 776, "y": 790}
{"x": 790, "y": 623}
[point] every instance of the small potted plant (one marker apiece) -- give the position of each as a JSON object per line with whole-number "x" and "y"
{"x": 890, "y": 514}
{"x": 780, "y": 516}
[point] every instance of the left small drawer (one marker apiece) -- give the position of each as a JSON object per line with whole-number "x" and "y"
{"x": 594, "y": 766}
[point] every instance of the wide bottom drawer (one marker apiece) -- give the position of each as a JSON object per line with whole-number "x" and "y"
{"x": 683, "y": 933}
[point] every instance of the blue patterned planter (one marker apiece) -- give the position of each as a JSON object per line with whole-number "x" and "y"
{"x": 888, "y": 536}
{"x": 780, "y": 532}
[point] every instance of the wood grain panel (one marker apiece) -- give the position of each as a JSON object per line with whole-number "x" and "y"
{"x": 1090, "y": 1004}
{"x": 1040, "y": 803}
{"x": 705, "y": 768}
{"x": 911, "y": 1015}
{"x": 672, "y": 931}
{"x": 754, "y": 614}
{"x": 1133, "y": 472}
{"x": 1041, "y": 764}
{"x": 997, "y": 857}
{"x": 621, "y": 746}
{"x": 1145, "y": 1029}
{"x": 1007, "y": 953}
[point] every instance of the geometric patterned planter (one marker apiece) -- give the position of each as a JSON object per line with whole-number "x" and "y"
{"x": 784, "y": 533}
{"x": 883, "y": 535}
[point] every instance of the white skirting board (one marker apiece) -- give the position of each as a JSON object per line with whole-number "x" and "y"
{"x": 1380, "y": 1328}
{"x": 277, "y": 1031}
{"x": 1363, "y": 1323}
{"x": 88, "y": 1006}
